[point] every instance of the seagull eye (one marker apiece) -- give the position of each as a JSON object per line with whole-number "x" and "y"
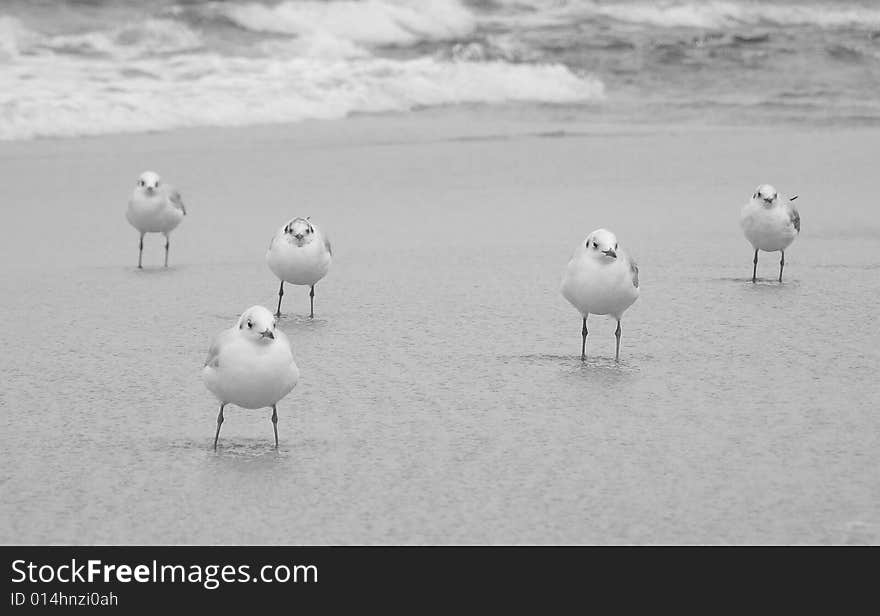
{"x": 595, "y": 245}
{"x": 250, "y": 325}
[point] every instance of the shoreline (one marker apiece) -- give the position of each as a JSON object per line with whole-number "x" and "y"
{"x": 449, "y": 123}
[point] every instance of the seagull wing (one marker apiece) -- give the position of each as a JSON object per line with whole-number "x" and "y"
{"x": 794, "y": 217}
{"x": 327, "y": 245}
{"x": 176, "y": 200}
{"x": 634, "y": 270}
{"x": 213, "y": 359}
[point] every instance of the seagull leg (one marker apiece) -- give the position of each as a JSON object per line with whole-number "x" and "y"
{"x": 617, "y": 335}
{"x": 781, "y": 265}
{"x": 584, "y": 343}
{"x": 275, "y": 424}
{"x": 219, "y": 423}
{"x": 755, "y": 270}
{"x": 140, "y": 251}
{"x": 167, "y": 245}
{"x": 280, "y": 295}
{"x": 312, "y": 302}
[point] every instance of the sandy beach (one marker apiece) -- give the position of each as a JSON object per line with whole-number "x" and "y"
{"x": 442, "y": 398}
{"x": 452, "y": 179}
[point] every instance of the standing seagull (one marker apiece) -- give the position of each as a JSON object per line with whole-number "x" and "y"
{"x": 154, "y": 208}
{"x": 299, "y": 253}
{"x": 600, "y": 279}
{"x": 251, "y": 365}
{"x": 770, "y": 224}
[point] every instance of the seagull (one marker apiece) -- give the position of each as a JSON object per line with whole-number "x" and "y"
{"x": 251, "y": 365}
{"x": 600, "y": 279}
{"x": 770, "y": 224}
{"x": 299, "y": 253}
{"x": 154, "y": 207}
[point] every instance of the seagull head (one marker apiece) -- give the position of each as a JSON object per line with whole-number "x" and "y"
{"x": 258, "y": 324}
{"x": 765, "y": 195}
{"x": 602, "y": 244}
{"x": 148, "y": 181}
{"x": 300, "y": 230}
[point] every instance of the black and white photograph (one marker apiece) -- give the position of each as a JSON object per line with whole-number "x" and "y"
{"x": 439, "y": 273}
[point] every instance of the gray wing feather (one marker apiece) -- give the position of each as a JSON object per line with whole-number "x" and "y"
{"x": 634, "y": 269}
{"x": 795, "y": 217}
{"x": 177, "y": 201}
{"x": 327, "y": 245}
{"x": 213, "y": 358}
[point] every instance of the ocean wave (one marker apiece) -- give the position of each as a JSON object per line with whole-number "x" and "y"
{"x": 212, "y": 90}
{"x": 723, "y": 14}
{"x": 714, "y": 14}
{"x": 127, "y": 66}
{"x": 851, "y": 54}
{"x": 493, "y": 47}
{"x": 369, "y": 22}
{"x": 145, "y": 38}
{"x": 13, "y": 36}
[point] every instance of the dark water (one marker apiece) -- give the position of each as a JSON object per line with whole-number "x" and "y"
{"x": 75, "y": 68}
{"x": 442, "y": 398}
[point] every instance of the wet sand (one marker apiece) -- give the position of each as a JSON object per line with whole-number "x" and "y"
{"x": 442, "y": 399}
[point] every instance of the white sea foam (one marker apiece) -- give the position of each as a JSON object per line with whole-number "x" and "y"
{"x": 208, "y": 89}
{"x": 373, "y": 22}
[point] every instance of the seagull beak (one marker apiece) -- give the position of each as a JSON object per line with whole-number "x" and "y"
{"x": 610, "y": 253}
{"x": 793, "y": 198}
{"x": 298, "y": 236}
{"x": 267, "y": 334}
